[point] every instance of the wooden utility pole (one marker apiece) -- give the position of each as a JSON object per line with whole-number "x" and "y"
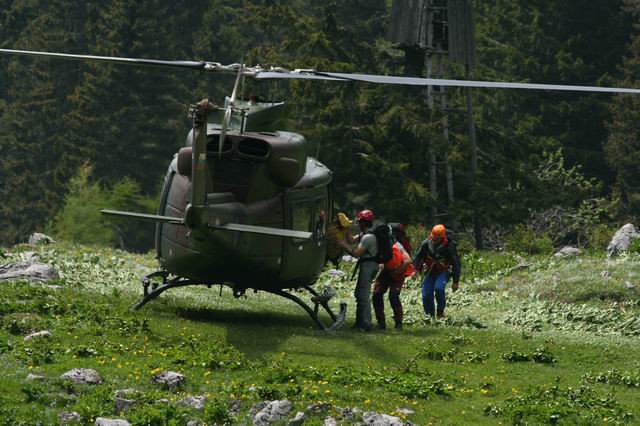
{"x": 437, "y": 28}
{"x": 471, "y": 130}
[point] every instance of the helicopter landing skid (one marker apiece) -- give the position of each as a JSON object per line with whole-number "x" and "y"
{"x": 157, "y": 290}
{"x": 318, "y": 301}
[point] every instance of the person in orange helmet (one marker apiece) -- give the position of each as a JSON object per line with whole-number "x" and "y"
{"x": 438, "y": 258}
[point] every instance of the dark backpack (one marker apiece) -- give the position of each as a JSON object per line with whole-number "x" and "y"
{"x": 401, "y": 237}
{"x": 382, "y": 233}
{"x": 385, "y": 247}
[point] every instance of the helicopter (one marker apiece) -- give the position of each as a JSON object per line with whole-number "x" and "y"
{"x": 248, "y": 208}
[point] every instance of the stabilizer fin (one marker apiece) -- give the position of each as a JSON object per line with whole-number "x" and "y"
{"x": 143, "y": 216}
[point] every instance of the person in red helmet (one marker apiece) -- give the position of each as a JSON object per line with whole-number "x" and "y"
{"x": 439, "y": 257}
{"x": 366, "y": 251}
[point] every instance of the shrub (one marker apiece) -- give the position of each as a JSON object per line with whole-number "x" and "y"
{"x": 599, "y": 236}
{"x": 80, "y": 220}
{"x": 524, "y": 240}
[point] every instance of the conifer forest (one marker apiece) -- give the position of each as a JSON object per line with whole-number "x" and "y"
{"x": 555, "y": 166}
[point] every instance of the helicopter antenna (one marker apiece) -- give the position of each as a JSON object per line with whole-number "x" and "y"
{"x": 229, "y": 111}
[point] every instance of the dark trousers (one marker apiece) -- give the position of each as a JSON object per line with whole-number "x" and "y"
{"x": 384, "y": 283}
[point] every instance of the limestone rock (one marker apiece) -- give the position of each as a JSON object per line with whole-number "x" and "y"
{"x": 34, "y": 378}
{"x": 568, "y": 252}
{"x": 169, "y": 379}
{"x": 319, "y": 407}
{"x": 195, "y": 402}
{"x": 37, "y": 335}
{"x": 330, "y": 421}
{"x": 257, "y": 407}
{"x": 405, "y": 411}
{"x": 375, "y": 419}
{"x": 123, "y": 405}
{"x": 127, "y": 393}
{"x": 69, "y": 417}
{"x": 350, "y": 413}
{"x": 103, "y": 421}
{"x": 622, "y": 239}
{"x": 28, "y": 256}
{"x": 336, "y": 273}
{"x": 298, "y": 420}
{"x": 29, "y": 270}
{"x": 234, "y": 407}
{"x": 273, "y": 412}
{"x": 38, "y": 238}
{"x": 81, "y": 376}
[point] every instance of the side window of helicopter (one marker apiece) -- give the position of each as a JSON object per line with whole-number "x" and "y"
{"x": 320, "y": 225}
{"x": 301, "y": 216}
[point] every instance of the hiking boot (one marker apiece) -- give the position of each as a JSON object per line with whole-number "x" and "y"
{"x": 440, "y": 314}
{"x": 382, "y": 326}
{"x": 398, "y": 326}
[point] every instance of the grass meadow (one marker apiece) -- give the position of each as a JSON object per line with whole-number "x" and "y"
{"x": 534, "y": 340}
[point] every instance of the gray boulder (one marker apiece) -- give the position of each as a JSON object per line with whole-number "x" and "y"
{"x": 318, "y": 407}
{"x": 72, "y": 416}
{"x": 235, "y": 405}
{"x": 37, "y": 335}
{"x": 123, "y": 405}
{"x": 29, "y": 270}
{"x": 622, "y": 240}
{"x": 103, "y": 421}
{"x": 38, "y": 238}
{"x": 568, "y": 252}
{"x": 273, "y": 412}
{"x": 169, "y": 379}
{"x": 34, "y": 378}
{"x": 82, "y": 376}
{"x": 195, "y": 402}
{"x": 298, "y": 420}
{"x": 330, "y": 421}
{"x": 350, "y": 413}
{"x": 375, "y": 419}
{"x": 127, "y": 393}
{"x": 405, "y": 411}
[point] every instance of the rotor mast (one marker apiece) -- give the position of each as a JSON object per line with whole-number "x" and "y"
{"x": 200, "y": 113}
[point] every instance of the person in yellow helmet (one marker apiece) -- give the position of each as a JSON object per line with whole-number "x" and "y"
{"x": 338, "y": 233}
{"x": 437, "y": 256}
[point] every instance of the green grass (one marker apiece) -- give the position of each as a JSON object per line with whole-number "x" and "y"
{"x": 554, "y": 343}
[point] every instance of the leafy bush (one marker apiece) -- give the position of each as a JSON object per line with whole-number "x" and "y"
{"x": 216, "y": 412}
{"x": 538, "y": 356}
{"x": 526, "y": 241}
{"x": 634, "y": 247}
{"x": 554, "y": 405}
{"x": 599, "y": 236}
{"x": 80, "y": 219}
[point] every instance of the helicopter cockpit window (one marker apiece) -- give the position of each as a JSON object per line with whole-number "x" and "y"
{"x": 319, "y": 228}
{"x": 301, "y": 215}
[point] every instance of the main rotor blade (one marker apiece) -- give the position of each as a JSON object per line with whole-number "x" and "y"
{"x": 283, "y": 74}
{"x": 415, "y": 81}
{"x": 194, "y": 65}
{"x": 234, "y": 94}
{"x": 265, "y": 230}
